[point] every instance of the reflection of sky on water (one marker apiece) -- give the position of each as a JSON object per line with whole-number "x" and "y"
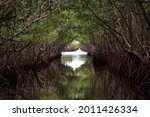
{"x": 73, "y": 59}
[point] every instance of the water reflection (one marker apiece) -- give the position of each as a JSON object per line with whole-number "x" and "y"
{"x": 74, "y": 59}
{"x": 54, "y": 82}
{"x": 59, "y": 81}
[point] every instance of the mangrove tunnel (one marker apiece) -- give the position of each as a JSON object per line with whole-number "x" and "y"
{"x": 75, "y": 49}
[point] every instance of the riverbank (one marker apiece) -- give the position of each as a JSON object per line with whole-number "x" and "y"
{"x": 29, "y": 56}
{"x": 128, "y": 69}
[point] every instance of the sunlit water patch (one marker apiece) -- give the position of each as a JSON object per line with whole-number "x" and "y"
{"x": 74, "y": 59}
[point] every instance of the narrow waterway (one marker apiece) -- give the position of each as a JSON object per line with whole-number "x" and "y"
{"x": 74, "y": 59}
{"x": 72, "y": 76}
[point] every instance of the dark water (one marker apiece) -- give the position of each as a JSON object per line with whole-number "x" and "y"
{"x": 70, "y": 77}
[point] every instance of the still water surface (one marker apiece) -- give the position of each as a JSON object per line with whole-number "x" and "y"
{"x": 74, "y": 59}
{"x": 73, "y": 76}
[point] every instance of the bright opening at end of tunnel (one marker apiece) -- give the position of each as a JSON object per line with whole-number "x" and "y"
{"x": 74, "y": 59}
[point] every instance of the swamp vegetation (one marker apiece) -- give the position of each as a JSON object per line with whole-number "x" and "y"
{"x": 114, "y": 33}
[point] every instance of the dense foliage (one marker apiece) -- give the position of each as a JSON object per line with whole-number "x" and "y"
{"x": 33, "y": 32}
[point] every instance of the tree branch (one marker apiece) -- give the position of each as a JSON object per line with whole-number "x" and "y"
{"x": 110, "y": 27}
{"x": 139, "y": 3}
